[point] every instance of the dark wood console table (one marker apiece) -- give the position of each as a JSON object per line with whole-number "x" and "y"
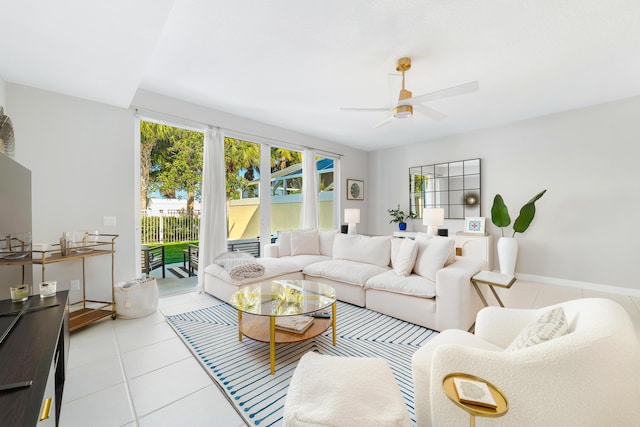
{"x": 35, "y": 350}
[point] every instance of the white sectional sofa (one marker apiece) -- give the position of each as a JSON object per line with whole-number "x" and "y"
{"x": 420, "y": 281}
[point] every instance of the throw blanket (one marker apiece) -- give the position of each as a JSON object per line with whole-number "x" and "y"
{"x": 240, "y": 265}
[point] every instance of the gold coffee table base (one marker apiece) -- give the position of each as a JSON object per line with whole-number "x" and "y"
{"x": 263, "y": 329}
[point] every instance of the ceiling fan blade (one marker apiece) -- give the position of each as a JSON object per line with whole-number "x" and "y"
{"x": 388, "y": 119}
{"x": 444, "y": 93}
{"x": 367, "y": 109}
{"x": 430, "y": 112}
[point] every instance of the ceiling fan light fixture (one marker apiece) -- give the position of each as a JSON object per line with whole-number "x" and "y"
{"x": 403, "y": 111}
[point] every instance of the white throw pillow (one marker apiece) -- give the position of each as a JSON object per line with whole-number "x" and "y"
{"x": 452, "y": 255}
{"x": 406, "y": 257}
{"x": 369, "y": 249}
{"x": 433, "y": 252}
{"x": 284, "y": 243}
{"x": 551, "y": 324}
{"x": 326, "y": 242}
{"x": 305, "y": 242}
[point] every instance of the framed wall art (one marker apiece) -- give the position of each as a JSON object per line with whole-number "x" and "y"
{"x": 355, "y": 189}
{"x": 474, "y": 225}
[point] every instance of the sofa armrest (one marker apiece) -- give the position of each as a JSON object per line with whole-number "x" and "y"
{"x": 456, "y": 301}
{"x": 270, "y": 251}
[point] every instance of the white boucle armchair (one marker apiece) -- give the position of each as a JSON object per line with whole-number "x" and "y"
{"x": 588, "y": 377}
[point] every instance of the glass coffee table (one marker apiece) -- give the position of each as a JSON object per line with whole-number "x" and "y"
{"x": 260, "y": 306}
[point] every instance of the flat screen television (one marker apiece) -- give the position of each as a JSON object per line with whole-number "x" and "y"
{"x": 15, "y": 217}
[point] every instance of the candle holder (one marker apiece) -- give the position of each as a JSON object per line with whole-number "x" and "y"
{"x": 19, "y": 293}
{"x": 48, "y": 289}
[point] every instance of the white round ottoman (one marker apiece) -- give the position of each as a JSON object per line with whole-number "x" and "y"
{"x": 344, "y": 391}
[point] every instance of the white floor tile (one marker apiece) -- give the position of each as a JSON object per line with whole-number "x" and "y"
{"x": 138, "y": 335}
{"x": 175, "y": 300}
{"x": 207, "y": 407}
{"x": 83, "y": 351}
{"x": 161, "y": 387}
{"x": 522, "y": 294}
{"x": 109, "y": 407}
{"x": 154, "y": 356}
{"x": 550, "y": 295}
{"x": 151, "y": 319}
{"x": 98, "y": 333}
{"x": 87, "y": 378}
{"x": 181, "y": 308}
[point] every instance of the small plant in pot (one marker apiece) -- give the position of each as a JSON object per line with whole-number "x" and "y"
{"x": 508, "y": 246}
{"x": 398, "y": 216}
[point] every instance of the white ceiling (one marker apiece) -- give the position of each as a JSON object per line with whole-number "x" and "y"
{"x": 294, "y": 63}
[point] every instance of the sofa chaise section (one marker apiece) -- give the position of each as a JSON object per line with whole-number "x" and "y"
{"x": 219, "y": 283}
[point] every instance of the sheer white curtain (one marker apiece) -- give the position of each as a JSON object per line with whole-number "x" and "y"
{"x": 213, "y": 217}
{"x": 309, "y": 190}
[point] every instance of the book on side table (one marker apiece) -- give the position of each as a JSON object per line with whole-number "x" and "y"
{"x": 474, "y": 392}
{"x": 297, "y": 324}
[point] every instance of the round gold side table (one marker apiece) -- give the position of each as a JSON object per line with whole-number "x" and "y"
{"x": 475, "y": 410}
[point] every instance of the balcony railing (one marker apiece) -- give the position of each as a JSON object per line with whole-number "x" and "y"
{"x": 170, "y": 226}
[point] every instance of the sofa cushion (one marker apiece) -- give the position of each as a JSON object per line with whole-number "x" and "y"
{"x": 303, "y": 260}
{"x": 355, "y": 273}
{"x": 406, "y": 257}
{"x": 273, "y": 267}
{"x": 551, "y": 324}
{"x": 371, "y": 250}
{"x": 433, "y": 252}
{"x": 414, "y": 285}
{"x": 326, "y": 242}
{"x": 284, "y": 243}
{"x": 452, "y": 254}
{"x": 396, "y": 243}
{"x": 305, "y": 242}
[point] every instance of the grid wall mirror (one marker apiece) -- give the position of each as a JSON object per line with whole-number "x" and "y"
{"x": 453, "y": 186}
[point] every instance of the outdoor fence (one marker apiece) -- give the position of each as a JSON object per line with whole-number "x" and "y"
{"x": 176, "y": 226}
{"x": 170, "y": 226}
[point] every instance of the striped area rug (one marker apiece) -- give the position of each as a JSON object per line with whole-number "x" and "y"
{"x": 242, "y": 369}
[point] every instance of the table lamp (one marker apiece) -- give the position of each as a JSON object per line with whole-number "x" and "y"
{"x": 433, "y": 217}
{"x": 352, "y": 217}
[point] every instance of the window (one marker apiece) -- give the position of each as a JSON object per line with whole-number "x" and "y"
{"x": 242, "y": 162}
{"x": 326, "y": 192}
{"x": 286, "y": 189}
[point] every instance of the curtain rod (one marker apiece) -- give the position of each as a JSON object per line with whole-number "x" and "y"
{"x": 146, "y": 111}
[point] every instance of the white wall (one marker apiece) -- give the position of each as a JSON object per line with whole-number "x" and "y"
{"x": 80, "y": 154}
{"x": 584, "y": 230}
{"x": 3, "y": 91}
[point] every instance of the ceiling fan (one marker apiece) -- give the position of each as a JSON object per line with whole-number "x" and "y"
{"x": 407, "y": 102}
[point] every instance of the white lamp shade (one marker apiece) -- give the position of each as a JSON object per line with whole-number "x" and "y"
{"x": 433, "y": 217}
{"x": 352, "y": 216}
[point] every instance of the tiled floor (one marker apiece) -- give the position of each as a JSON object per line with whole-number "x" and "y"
{"x": 138, "y": 372}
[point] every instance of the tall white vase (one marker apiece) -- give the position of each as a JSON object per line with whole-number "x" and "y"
{"x": 507, "y": 254}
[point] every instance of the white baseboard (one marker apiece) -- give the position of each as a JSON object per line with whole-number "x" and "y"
{"x": 582, "y": 285}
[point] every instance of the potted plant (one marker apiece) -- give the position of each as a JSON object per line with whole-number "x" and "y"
{"x": 508, "y": 246}
{"x": 398, "y": 216}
